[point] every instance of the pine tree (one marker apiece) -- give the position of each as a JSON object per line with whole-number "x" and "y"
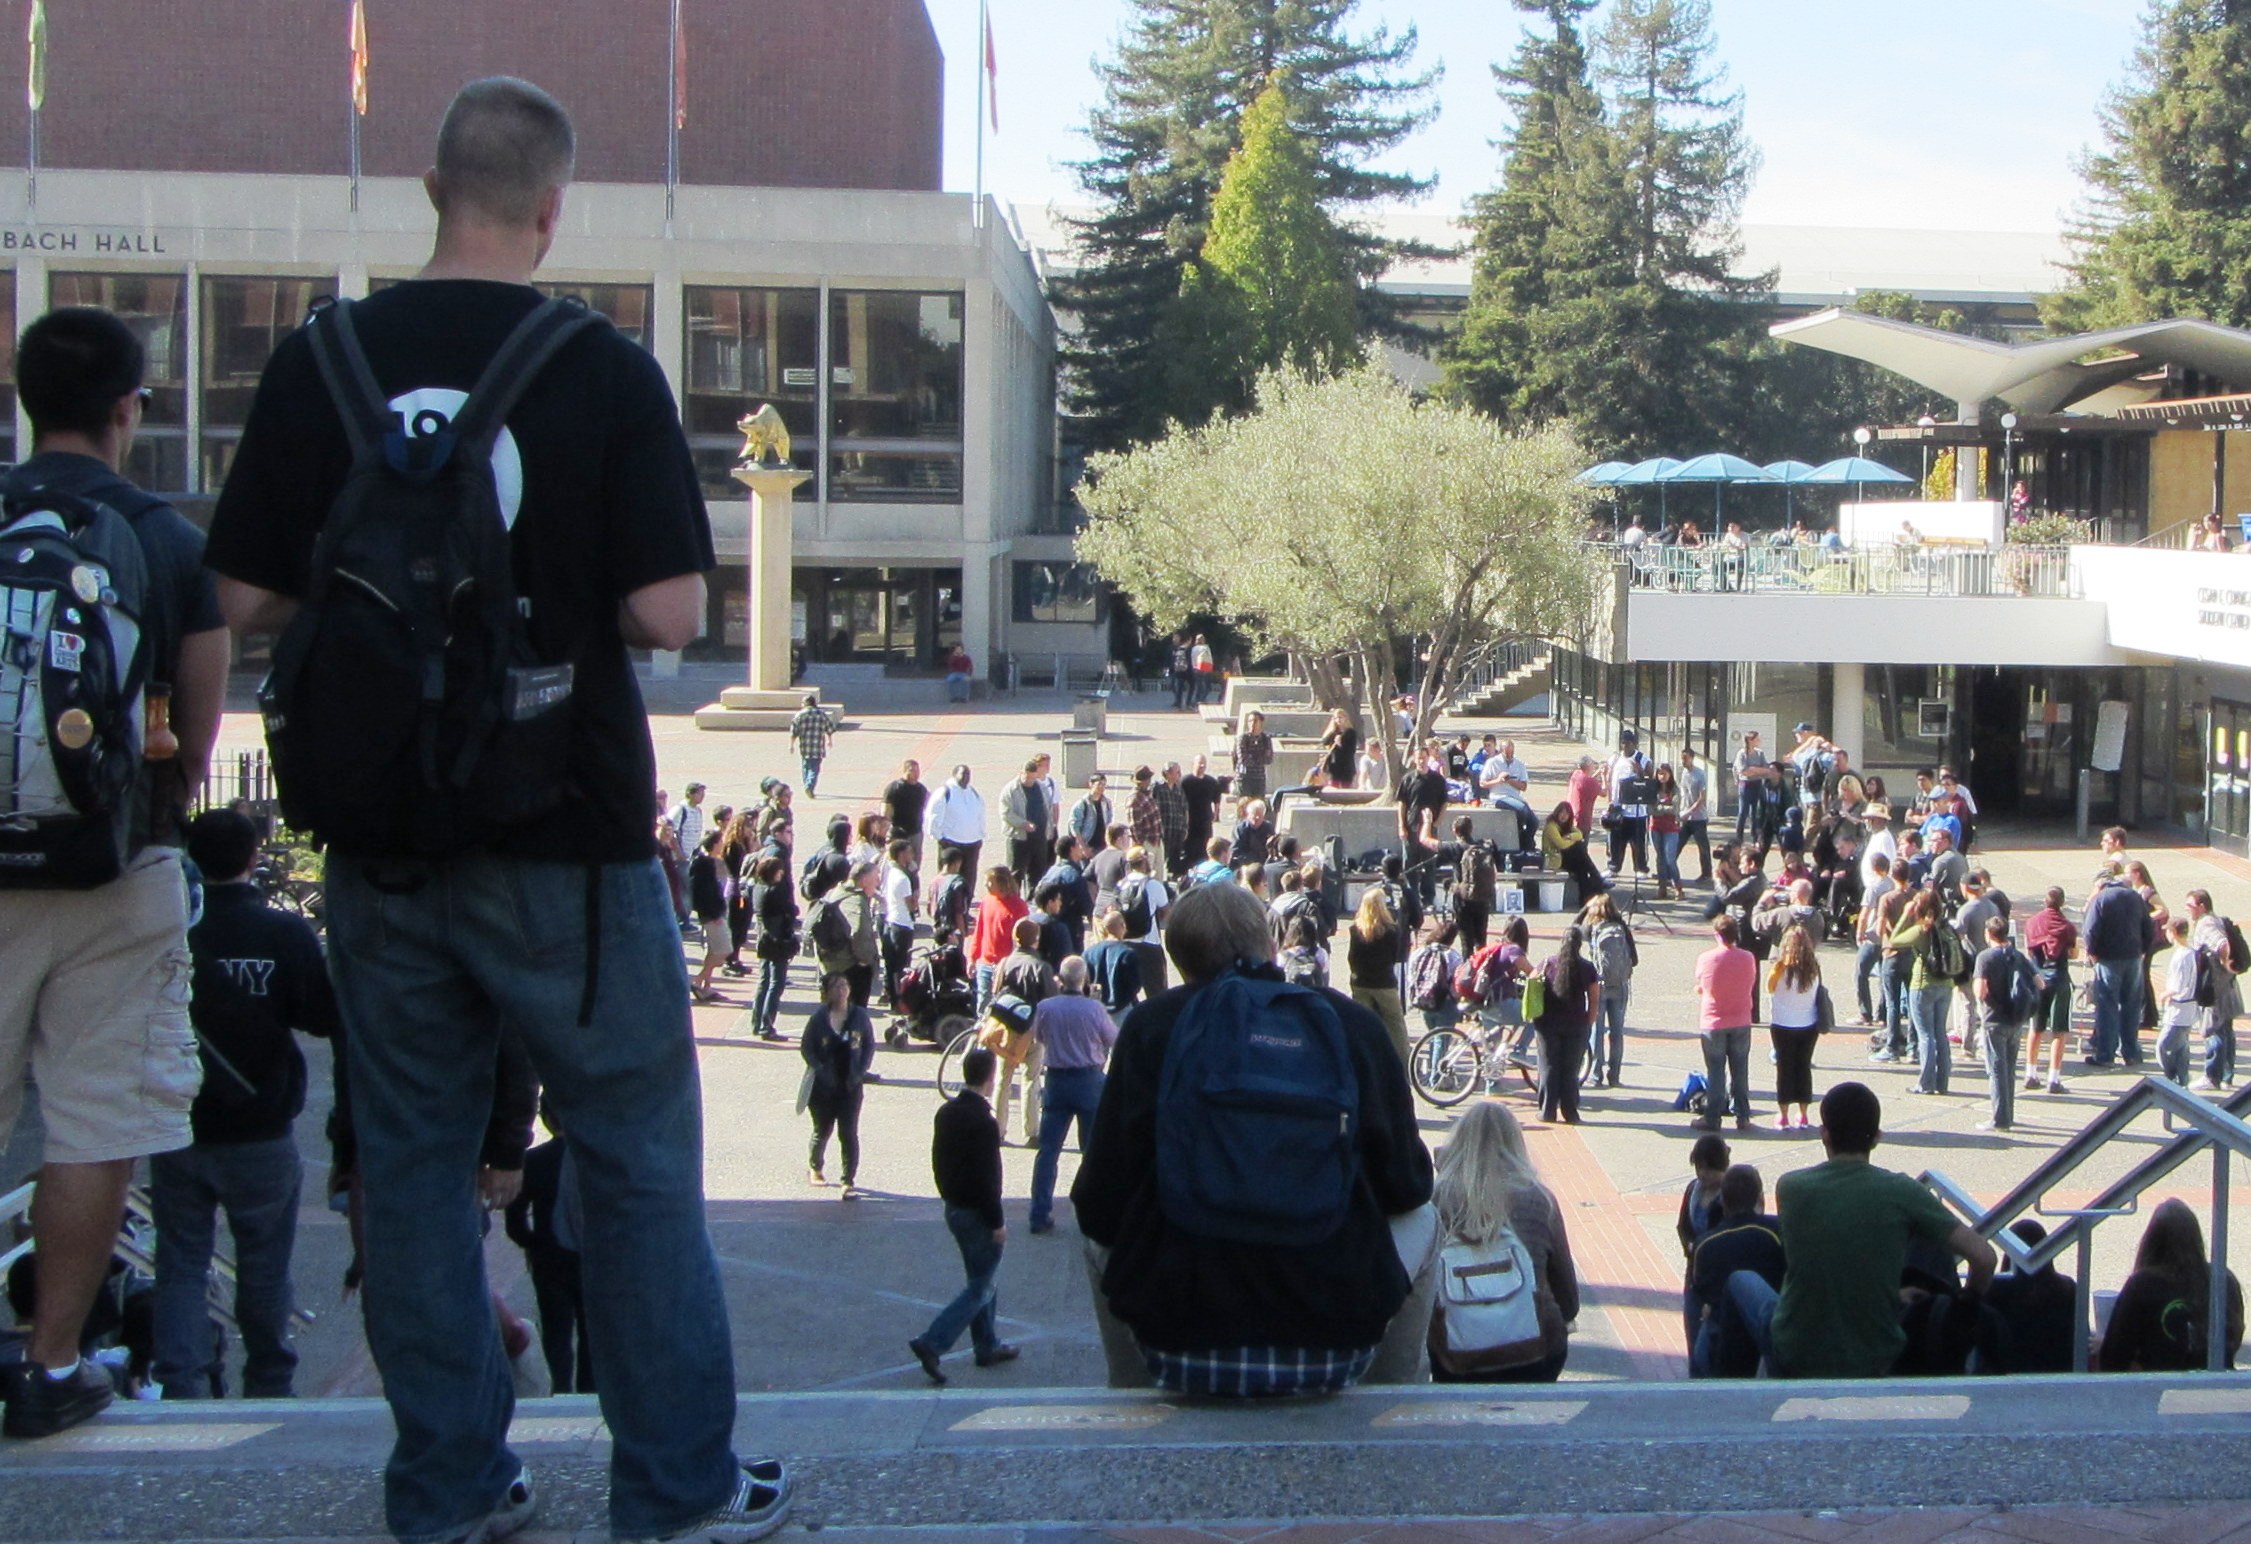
{"x": 1273, "y": 286}
{"x": 1537, "y": 219}
{"x": 1174, "y": 95}
{"x": 2166, "y": 229}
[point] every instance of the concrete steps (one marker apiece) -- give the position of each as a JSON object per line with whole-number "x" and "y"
{"x": 962, "y": 1457}
{"x": 1519, "y": 686}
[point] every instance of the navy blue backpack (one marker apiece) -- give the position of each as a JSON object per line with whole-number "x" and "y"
{"x": 1258, "y": 1114}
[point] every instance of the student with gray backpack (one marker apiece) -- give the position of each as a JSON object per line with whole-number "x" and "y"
{"x": 2008, "y": 989}
{"x": 114, "y": 692}
{"x": 1507, "y": 1290}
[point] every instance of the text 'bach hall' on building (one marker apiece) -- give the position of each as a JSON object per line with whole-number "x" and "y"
{"x": 192, "y": 172}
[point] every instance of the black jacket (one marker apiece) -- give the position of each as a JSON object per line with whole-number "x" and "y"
{"x": 1179, "y": 1291}
{"x": 530, "y": 1218}
{"x": 965, "y": 1156}
{"x": 258, "y": 976}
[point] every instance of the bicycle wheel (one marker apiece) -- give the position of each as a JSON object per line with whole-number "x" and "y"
{"x": 1444, "y": 1067}
{"x": 949, "y": 1064}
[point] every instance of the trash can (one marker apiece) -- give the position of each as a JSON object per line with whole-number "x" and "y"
{"x": 1091, "y": 712}
{"x": 1079, "y": 747}
{"x": 1551, "y": 893}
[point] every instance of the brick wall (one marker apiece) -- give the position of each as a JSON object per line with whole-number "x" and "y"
{"x": 798, "y": 93}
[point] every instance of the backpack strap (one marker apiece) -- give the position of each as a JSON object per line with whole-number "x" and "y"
{"x": 351, "y": 382}
{"x": 551, "y": 324}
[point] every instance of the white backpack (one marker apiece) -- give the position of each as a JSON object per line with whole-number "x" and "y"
{"x": 1486, "y": 1312}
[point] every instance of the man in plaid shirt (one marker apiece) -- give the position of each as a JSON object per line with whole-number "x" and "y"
{"x": 810, "y": 731}
{"x": 1146, "y": 816}
{"x": 1172, "y": 807}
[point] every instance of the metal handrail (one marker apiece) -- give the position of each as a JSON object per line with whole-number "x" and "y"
{"x": 2218, "y": 1126}
{"x": 1929, "y": 569}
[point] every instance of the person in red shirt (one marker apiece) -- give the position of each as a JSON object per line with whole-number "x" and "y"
{"x": 1726, "y": 976}
{"x": 992, "y": 936}
{"x": 2050, "y": 939}
{"x": 1586, "y": 786}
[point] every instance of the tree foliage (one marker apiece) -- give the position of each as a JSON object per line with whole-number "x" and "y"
{"x": 1273, "y": 285}
{"x": 1603, "y": 288}
{"x": 1174, "y": 95}
{"x": 2165, "y": 229}
{"x": 1341, "y": 516}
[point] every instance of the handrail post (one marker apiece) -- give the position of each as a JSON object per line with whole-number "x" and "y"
{"x": 2216, "y": 1304}
{"x": 2082, "y": 1318}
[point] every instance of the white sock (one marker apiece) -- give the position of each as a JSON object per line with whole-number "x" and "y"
{"x": 61, "y": 1373}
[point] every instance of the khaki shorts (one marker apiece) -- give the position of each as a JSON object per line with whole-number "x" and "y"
{"x": 94, "y": 1003}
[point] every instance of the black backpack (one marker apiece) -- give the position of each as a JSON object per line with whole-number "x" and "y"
{"x": 1133, "y": 902}
{"x": 407, "y": 712}
{"x": 2239, "y": 952}
{"x": 1476, "y": 883}
{"x": 73, "y": 674}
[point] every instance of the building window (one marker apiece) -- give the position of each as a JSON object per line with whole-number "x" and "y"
{"x": 1059, "y": 592}
{"x": 895, "y": 389}
{"x": 745, "y": 347}
{"x": 628, "y": 306}
{"x": 242, "y": 321}
{"x": 155, "y": 306}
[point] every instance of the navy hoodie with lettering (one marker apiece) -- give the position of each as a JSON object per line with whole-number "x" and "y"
{"x": 259, "y": 977}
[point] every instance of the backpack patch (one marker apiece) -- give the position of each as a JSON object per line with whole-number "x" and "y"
{"x": 1257, "y": 1115}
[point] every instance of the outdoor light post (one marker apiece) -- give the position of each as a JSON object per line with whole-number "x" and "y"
{"x": 2008, "y": 457}
{"x": 1926, "y": 423}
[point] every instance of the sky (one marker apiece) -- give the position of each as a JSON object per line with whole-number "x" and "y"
{"x": 1904, "y": 114}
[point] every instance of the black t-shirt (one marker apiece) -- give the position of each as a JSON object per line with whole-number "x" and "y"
{"x": 904, "y": 802}
{"x": 594, "y": 459}
{"x": 180, "y": 600}
{"x": 1418, "y": 791}
{"x": 1202, "y": 794}
{"x": 258, "y": 976}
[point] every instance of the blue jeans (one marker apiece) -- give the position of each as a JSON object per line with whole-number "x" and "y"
{"x": 1891, "y": 997}
{"x": 2219, "y": 1047}
{"x": 1864, "y": 967}
{"x": 2002, "y": 1043}
{"x": 957, "y": 688}
{"x": 427, "y": 960}
{"x": 1610, "y": 1033}
{"x": 766, "y": 1002}
{"x": 256, "y": 1184}
{"x": 1071, "y": 1095}
{"x": 985, "y": 975}
{"x": 973, "y": 1308}
{"x": 1748, "y": 1305}
{"x": 1668, "y": 857}
{"x": 810, "y": 771}
{"x": 1926, "y": 1009}
{"x": 2117, "y": 991}
{"x": 1727, "y": 1074}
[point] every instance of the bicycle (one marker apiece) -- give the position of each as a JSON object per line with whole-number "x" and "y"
{"x": 957, "y": 1043}
{"x": 1449, "y": 1063}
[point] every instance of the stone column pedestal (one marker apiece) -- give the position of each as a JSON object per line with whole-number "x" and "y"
{"x": 767, "y": 700}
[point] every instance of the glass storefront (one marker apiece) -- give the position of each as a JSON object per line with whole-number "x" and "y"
{"x": 155, "y": 306}
{"x": 904, "y": 619}
{"x": 628, "y": 306}
{"x": 241, "y": 322}
{"x": 895, "y": 385}
{"x": 746, "y": 347}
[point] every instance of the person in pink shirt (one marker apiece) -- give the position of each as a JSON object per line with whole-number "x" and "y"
{"x": 1586, "y": 787}
{"x": 1726, "y": 976}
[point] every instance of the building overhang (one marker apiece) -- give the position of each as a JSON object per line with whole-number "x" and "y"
{"x": 2040, "y": 377}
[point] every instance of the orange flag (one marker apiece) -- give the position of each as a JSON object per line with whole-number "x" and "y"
{"x": 359, "y": 57}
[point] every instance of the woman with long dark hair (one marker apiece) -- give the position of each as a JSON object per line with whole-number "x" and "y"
{"x": 1564, "y": 846}
{"x": 774, "y": 904}
{"x": 838, "y": 1047}
{"x": 1573, "y": 988}
{"x": 2160, "y": 1321}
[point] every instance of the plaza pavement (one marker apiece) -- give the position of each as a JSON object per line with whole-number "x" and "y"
{"x": 825, "y": 1293}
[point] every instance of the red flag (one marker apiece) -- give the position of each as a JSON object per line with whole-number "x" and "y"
{"x": 992, "y": 73}
{"x": 679, "y": 68}
{"x": 359, "y": 58}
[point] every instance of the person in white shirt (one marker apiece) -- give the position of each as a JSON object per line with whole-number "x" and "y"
{"x": 687, "y": 819}
{"x": 1880, "y": 843}
{"x": 1503, "y": 781}
{"x": 1141, "y": 890}
{"x": 956, "y": 820}
{"x": 898, "y": 891}
{"x": 1054, "y": 797}
{"x": 1631, "y": 828}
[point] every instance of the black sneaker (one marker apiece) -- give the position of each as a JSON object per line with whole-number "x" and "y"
{"x": 760, "y": 1506}
{"x": 927, "y": 1355}
{"x": 40, "y": 1406}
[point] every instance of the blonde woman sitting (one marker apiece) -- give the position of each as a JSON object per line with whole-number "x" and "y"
{"x": 1486, "y": 1183}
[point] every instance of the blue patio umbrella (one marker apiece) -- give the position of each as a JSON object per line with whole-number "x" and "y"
{"x": 1854, "y": 470}
{"x": 1645, "y": 474}
{"x": 1601, "y": 476}
{"x": 1787, "y": 473}
{"x": 1719, "y": 469}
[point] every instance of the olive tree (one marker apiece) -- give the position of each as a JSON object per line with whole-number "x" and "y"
{"x": 1341, "y": 518}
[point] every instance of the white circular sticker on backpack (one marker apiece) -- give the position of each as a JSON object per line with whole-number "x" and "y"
{"x": 430, "y": 409}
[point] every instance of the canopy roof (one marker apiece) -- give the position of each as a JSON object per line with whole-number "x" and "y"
{"x": 2040, "y": 377}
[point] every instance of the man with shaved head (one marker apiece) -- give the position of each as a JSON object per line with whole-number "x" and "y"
{"x": 551, "y": 912}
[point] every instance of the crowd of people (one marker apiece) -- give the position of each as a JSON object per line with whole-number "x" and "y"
{"x": 1259, "y": 1212}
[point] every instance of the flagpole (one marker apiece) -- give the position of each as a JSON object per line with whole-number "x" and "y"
{"x": 672, "y": 120}
{"x": 31, "y": 191}
{"x": 351, "y": 110}
{"x": 984, "y": 43}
